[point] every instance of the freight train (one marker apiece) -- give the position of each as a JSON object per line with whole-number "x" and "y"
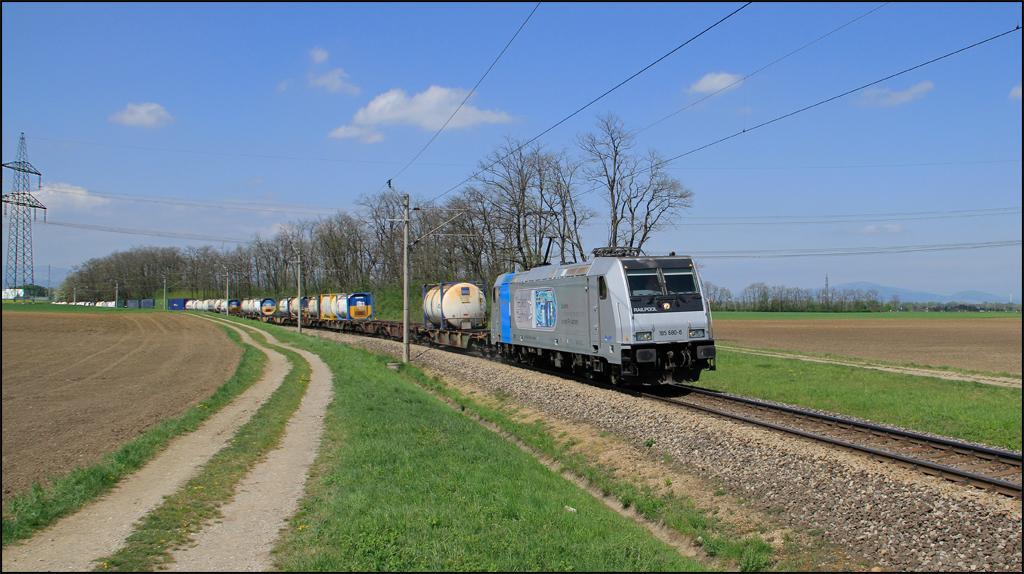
{"x": 621, "y": 317}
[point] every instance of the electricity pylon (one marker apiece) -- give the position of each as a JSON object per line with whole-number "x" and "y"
{"x": 19, "y": 242}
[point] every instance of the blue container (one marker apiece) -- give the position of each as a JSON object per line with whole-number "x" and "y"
{"x": 148, "y": 304}
{"x": 133, "y": 303}
{"x": 176, "y": 304}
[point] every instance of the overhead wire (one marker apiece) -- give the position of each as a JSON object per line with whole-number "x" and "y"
{"x": 150, "y": 232}
{"x": 848, "y": 218}
{"x": 763, "y": 68}
{"x": 233, "y": 154}
{"x": 849, "y": 251}
{"x": 592, "y": 102}
{"x": 833, "y": 98}
{"x": 205, "y": 203}
{"x": 688, "y": 220}
{"x": 471, "y": 92}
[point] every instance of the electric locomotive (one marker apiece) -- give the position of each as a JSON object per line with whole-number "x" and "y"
{"x": 634, "y": 319}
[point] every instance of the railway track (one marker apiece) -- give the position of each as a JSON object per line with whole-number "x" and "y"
{"x": 986, "y": 468}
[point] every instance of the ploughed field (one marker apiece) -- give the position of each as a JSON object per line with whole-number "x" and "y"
{"x": 76, "y": 385}
{"x": 992, "y": 345}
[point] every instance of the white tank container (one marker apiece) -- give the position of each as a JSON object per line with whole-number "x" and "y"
{"x": 340, "y": 306}
{"x": 313, "y": 307}
{"x": 460, "y": 306}
{"x": 294, "y": 306}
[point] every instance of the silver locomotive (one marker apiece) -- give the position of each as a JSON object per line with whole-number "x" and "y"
{"x": 633, "y": 319}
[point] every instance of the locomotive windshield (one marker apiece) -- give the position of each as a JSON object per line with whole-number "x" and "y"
{"x": 680, "y": 280}
{"x": 645, "y": 282}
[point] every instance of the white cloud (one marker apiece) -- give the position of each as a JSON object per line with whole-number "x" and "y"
{"x": 887, "y": 228}
{"x": 428, "y": 110}
{"x": 318, "y": 54}
{"x": 334, "y": 81}
{"x": 887, "y": 97}
{"x": 365, "y": 135}
{"x": 282, "y": 86}
{"x": 1015, "y": 92}
{"x": 62, "y": 195}
{"x": 714, "y": 82}
{"x": 147, "y": 115}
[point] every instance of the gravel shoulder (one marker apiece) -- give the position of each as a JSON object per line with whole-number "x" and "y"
{"x": 100, "y": 529}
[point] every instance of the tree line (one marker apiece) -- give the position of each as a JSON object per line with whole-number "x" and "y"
{"x": 762, "y": 297}
{"x": 522, "y": 196}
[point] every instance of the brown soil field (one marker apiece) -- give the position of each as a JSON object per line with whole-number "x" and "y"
{"x": 990, "y": 345}
{"x": 77, "y": 385}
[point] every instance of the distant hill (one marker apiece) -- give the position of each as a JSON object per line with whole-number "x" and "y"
{"x": 908, "y": 296}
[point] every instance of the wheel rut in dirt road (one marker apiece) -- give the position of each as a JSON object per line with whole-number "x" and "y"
{"x": 100, "y": 528}
{"x": 250, "y": 525}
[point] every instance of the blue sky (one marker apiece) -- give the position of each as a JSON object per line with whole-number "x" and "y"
{"x": 305, "y": 108}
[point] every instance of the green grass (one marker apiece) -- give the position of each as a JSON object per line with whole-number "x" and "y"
{"x": 971, "y": 411}
{"x": 26, "y": 513}
{"x": 404, "y": 482}
{"x": 768, "y": 315}
{"x": 197, "y": 502}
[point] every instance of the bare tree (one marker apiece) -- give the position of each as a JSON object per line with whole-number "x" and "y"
{"x": 564, "y": 175}
{"x": 642, "y": 198}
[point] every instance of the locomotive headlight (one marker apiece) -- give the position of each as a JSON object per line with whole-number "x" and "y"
{"x": 696, "y": 333}
{"x": 643, "y": 336}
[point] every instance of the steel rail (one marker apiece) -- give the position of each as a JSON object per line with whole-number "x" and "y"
{"x": 949, "y": 473}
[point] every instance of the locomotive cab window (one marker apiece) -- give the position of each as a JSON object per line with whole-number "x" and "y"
{"x": 643, "y": 282}
{"x": 680, "y": 280}
{"x": 602, "y": 287}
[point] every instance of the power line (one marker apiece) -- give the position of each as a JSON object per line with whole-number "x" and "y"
{"x": 205, "y": 203}
{"x": 471, "y": 92}
{"x": 744, "y": 78}
{"x": 690, "y": 220}
{"x": 812, "y": 106}
{"x": 150, "y": 232}
{"x": 847, "y": 218}
{"x": 232, "y": 154}
{"x": 592, "y": 102}
{"x": 881, "y": 165}
{"x": 848, "y": 251}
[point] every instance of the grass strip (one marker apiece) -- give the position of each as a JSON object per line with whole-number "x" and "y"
{"x": 26, "y": 513}
{"x": 748, "y": 553}
{"x": 170, "y": 525}
{"x": 970, "y": 411}
{"x": 403, "y": 482}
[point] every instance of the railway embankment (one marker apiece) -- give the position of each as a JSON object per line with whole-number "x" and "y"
{"x": 884, "y": 516}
